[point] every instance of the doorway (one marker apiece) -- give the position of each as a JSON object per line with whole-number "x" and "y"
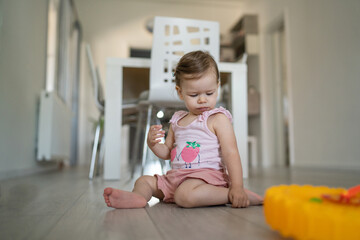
{"x": 278, "y": 63}
{"x": 281, "y": 98}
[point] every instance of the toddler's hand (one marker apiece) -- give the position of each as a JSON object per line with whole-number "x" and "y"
{"x": 155, "y": 134}
{"x": 238, "y": 197}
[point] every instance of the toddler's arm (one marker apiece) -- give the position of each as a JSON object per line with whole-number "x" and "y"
{"x": 231, "y": 157}
{"x": 160, "y": 150}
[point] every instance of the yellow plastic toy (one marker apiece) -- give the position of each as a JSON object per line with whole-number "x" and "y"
{"x": 308, "y": 212}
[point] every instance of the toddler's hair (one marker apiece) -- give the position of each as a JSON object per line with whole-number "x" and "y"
{"x": 193, "y": 65}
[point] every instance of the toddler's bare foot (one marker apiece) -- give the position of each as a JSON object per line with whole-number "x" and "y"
{"x": 254, "y": 198}
{"x": 122, "y": 199}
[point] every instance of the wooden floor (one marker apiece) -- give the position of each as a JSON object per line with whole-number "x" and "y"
{"x": 66, "y": 205}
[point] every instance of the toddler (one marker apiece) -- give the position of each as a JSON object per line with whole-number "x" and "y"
{"x": 205, "y": 161}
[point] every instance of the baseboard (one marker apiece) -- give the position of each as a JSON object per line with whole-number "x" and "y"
{"x": 329, "y": 167}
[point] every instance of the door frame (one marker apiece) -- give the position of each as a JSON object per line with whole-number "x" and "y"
{"x": 271, "y": 69}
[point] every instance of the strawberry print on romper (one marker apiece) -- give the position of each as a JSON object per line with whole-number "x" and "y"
{"x": 190, "y": 152}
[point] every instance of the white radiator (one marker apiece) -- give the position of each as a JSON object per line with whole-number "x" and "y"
{"x": 54, "y": 128}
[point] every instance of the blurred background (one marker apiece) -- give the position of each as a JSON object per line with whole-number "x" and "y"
{"x": 303, "y": 60}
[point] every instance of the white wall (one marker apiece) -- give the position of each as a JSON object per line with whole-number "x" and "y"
{"x": 326, "y": 99}
{"x": 22, "y": 77}
{"x": 324, "y": 54}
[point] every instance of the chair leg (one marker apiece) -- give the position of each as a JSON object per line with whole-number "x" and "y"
{"x": 161, "y": 161}
{"x": 101, "y": 155}
{"x": 94, "y": 151}
{"x": 135, "y": 153}
{"x": 145, "y": 147}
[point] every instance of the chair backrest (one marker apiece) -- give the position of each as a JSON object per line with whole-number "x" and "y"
{"x": 95, "y": 77}
{"x": 172, "y": 38}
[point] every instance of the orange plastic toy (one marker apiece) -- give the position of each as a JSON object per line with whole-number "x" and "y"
{"x": 308, "y": 212}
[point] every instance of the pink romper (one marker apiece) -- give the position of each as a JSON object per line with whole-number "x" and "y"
{"x": 196, "y": 154}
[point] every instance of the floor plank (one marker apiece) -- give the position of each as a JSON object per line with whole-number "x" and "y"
{"x": 45, "y": 194}
{"x": 26, "y": 227}
{"x": 204, "y": 223}
{"x": 89, "y": 218}
{"x": 254, "y": 214}
{"x": 66, "y": 205}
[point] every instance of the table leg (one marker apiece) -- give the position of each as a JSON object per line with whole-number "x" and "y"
{"x": 113, "y": 122}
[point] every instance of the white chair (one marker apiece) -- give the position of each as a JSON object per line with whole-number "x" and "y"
{"x": 129, "y": 110}
{"x": 99, "y": 101}
{"x": 172, "y": 38}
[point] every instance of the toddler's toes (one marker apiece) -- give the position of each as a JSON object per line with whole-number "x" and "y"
{"x": 108, "y": 191}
